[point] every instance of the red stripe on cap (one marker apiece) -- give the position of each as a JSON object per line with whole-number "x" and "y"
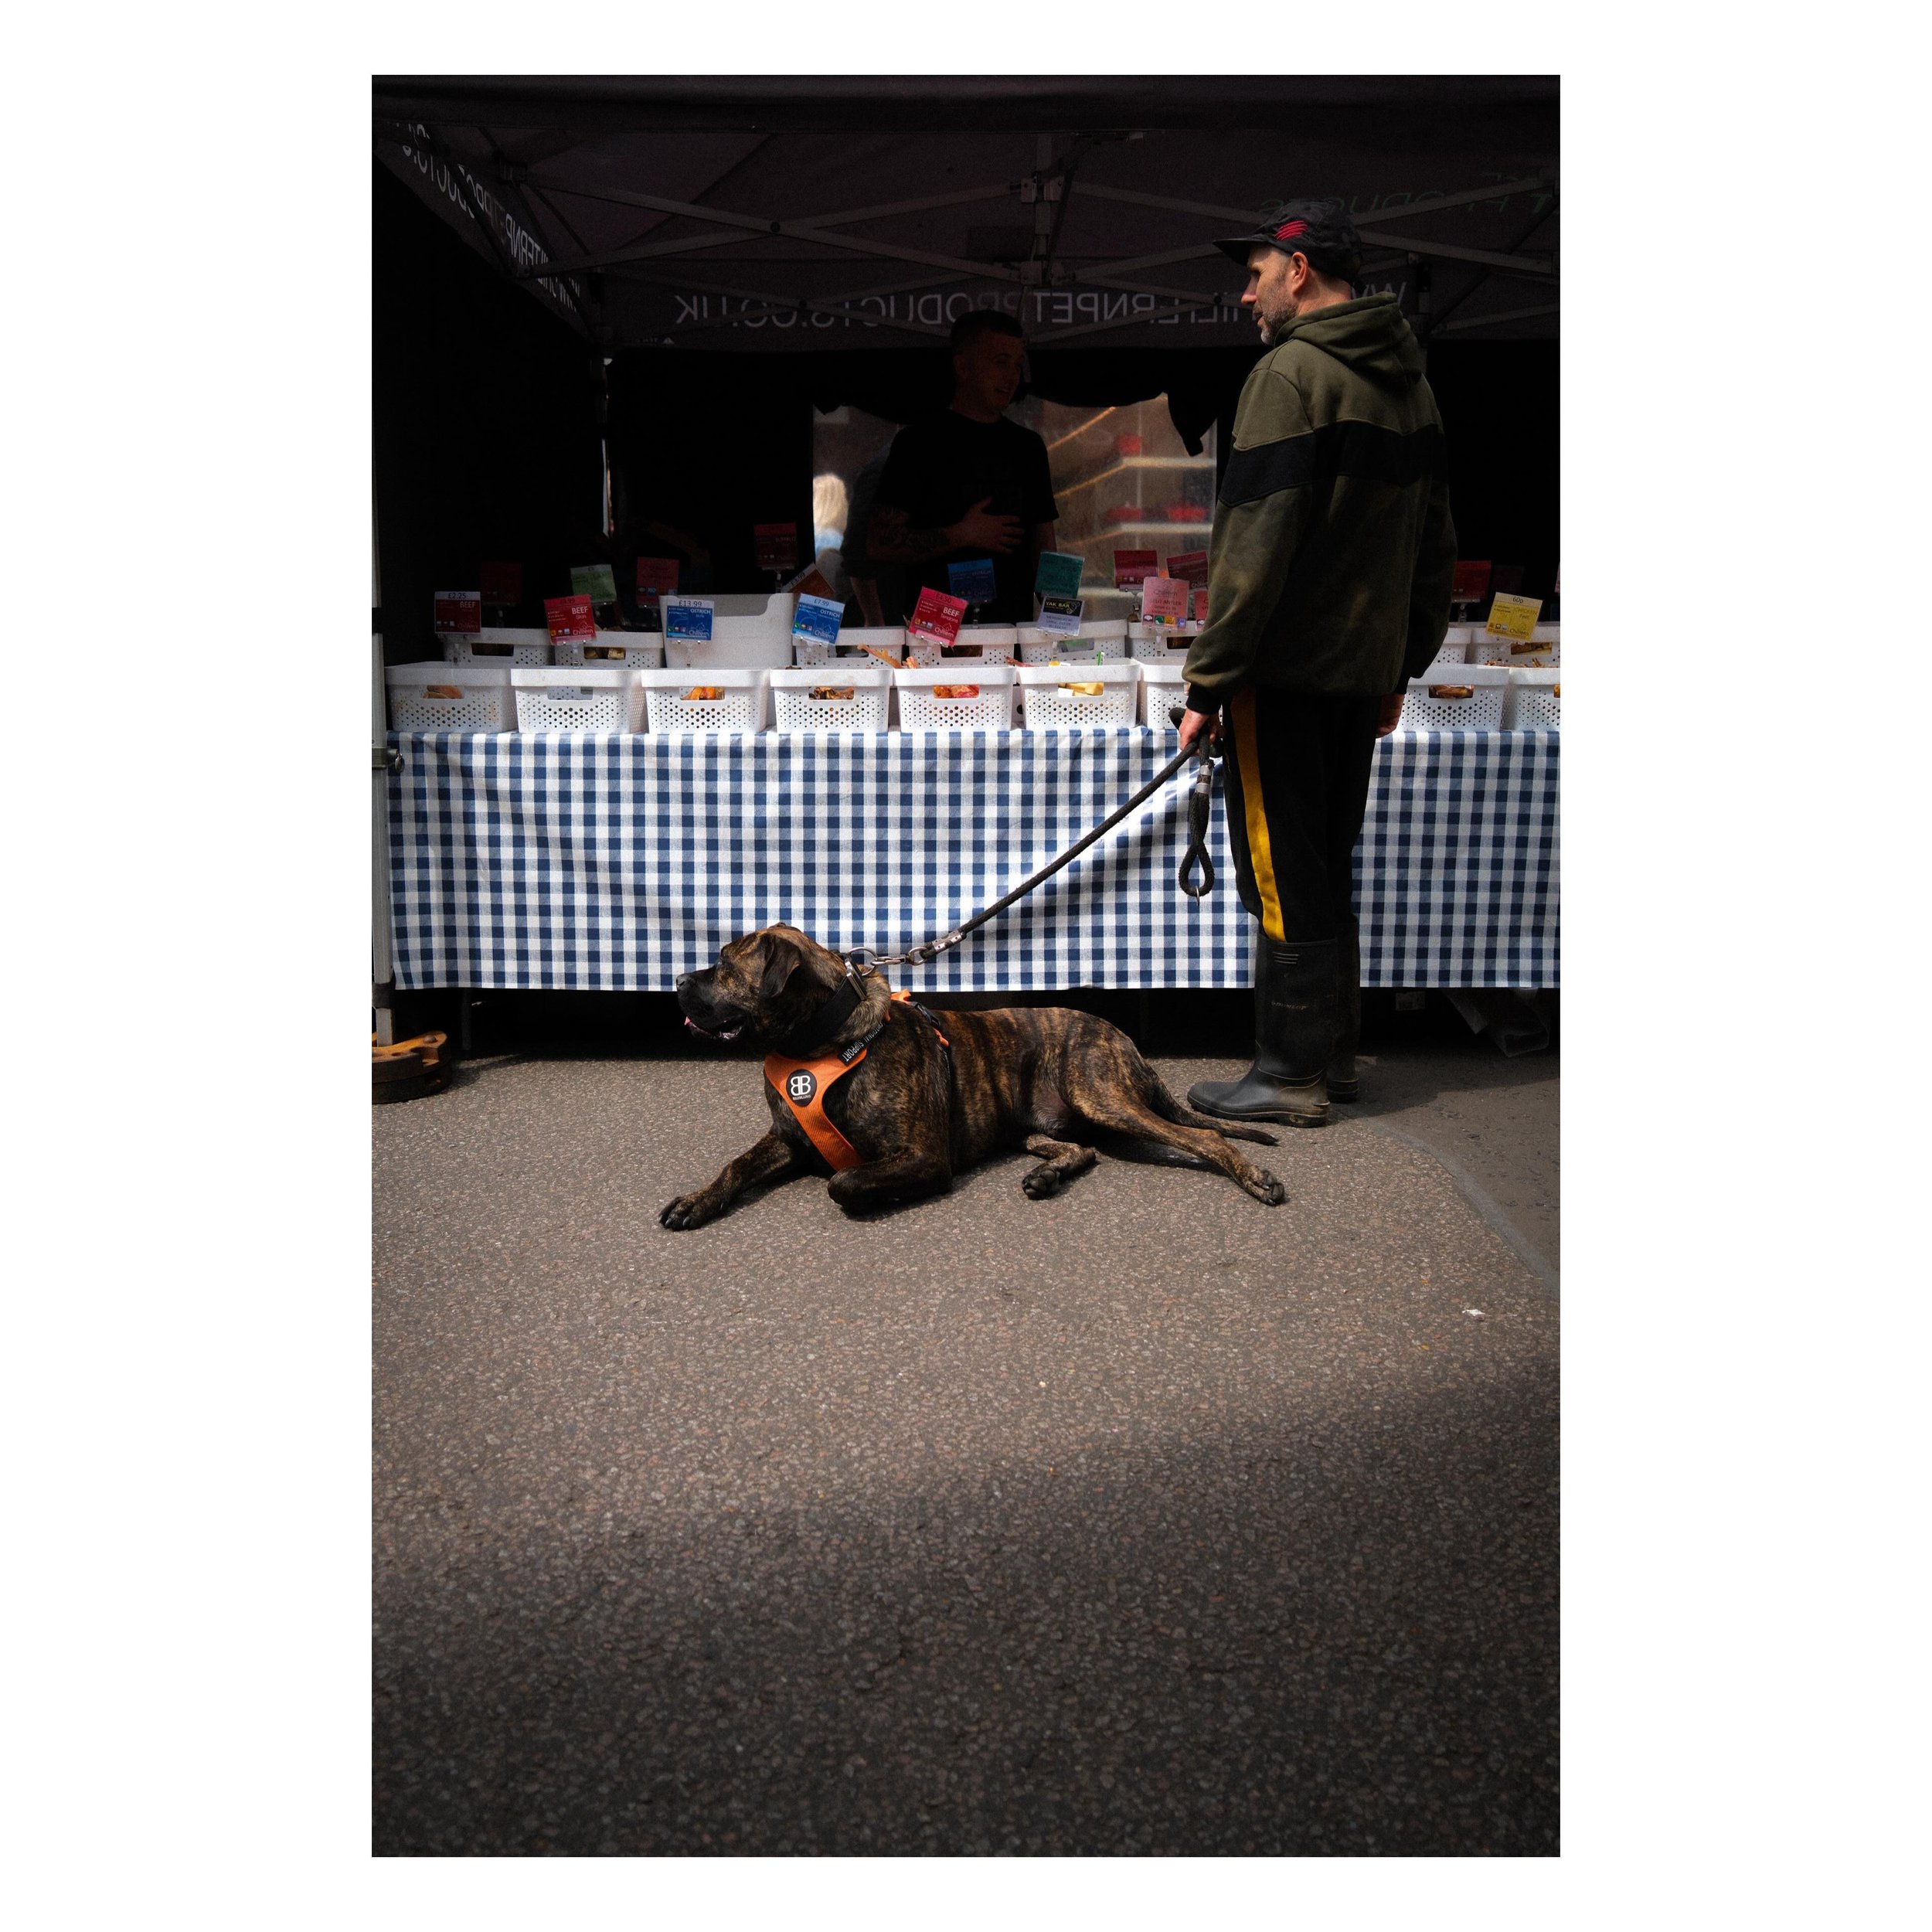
{"x": 1289, "y": 229}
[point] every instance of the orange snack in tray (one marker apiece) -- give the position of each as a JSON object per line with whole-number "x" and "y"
{"x": 702, "y": 693}
{"x": 955, "y": 691}
{"x": 825, "y": 690}
{"x": 1452, "y": 691}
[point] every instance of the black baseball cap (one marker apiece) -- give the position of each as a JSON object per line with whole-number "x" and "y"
{"x": 1322, "y": 230}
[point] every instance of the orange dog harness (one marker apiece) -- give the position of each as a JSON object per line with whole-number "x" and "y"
{"x": 803, "y": 1085}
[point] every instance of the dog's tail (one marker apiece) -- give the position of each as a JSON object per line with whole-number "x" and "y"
{"x": 1164, "y": 1105}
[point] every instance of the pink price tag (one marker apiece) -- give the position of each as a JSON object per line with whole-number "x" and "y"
{"x": 777, "y": 545}
{"x": 569, "y": 619}
{"x": 502, "y": 582}
{"x": 1190, "y": 567}
{"x": 1164, "y": 600}
{"x": 937, "y": 616}
{"x": 1133, "y": 566}
{"x": 459, "y": 611}
{"x": 657, "y": 576}
{"x": 1200, "y": 607}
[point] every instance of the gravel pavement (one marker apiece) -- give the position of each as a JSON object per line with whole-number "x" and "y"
{"x": 1143, "y": 1519}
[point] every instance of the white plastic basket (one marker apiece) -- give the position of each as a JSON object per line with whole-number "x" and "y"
{"x": 584, "y": 697}
{"x": 995, "y": 643}
{"x": 1049, "y": 707}
{"x": 1455, "y": 644}
{"x": 1155, "y": 644}
{"x": 1543, "y": 650}
{"x": 1162, "y": 687}
{"x": 862, "y": 643}
{"x": 1480, "y": 711}
{"x": 627, "y": 647}
{"x": 1533, "y": 701}
{"x": 920, "y": 710}
{"x": 443, "y": 696}
{"x": 489, "y": 647}
{"x": 868, "y": 708}
{"x": 740, "y": 708}
{"x": 748, "y": 630}
{"x": 1039, "y": 647}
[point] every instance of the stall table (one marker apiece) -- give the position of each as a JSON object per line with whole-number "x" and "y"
{"x": 595, "y": 862}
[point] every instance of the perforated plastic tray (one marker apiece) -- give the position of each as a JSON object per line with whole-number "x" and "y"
{"x": 1425, "y": 709}
{"x": 740, "y": 705}
{"x": 628, "y": 647}
{"x": 499, "y": 645}
{"x": 1533, "y": 701}
{"x": 450, "y": 697}
{"x": 1049, "y": 705}
{"x": 587, "y": 697}
{"x": 920, "y": 710}
{"x": 868, "y": 708}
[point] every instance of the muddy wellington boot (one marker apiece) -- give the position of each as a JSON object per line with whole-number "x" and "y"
{"x": 1295, "y": 1026}
{"x": 1343, "y": 1083}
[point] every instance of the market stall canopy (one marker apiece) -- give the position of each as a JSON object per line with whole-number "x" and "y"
{"x": 831, "y": 213}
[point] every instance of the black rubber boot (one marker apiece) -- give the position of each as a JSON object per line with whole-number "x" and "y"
{"x": 1343, "y": 1083}
{"x": 1295, "y": 1024}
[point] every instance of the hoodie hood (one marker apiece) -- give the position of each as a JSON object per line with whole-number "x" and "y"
{"x": 1370, "y": 335}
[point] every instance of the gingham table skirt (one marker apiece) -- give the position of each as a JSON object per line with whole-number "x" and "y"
{"x": 586, "y": 861}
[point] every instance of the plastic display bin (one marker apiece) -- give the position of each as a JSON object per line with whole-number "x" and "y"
{"x": 740, "y": 707}
{"x": 861, "y": 642}
{"x": 1049, "y": 707}
{"x": 1543, "y": 651}
{"x": 995, "y": 643}
{"x": 1162, "y": 687}
{"x": 1533, "y": 701}
{"x": 631, "y": 648}
{"x": 1037, "y": 646}
{"x": 1427, "y": 708}
{"x": 868, "y": 708}
{"x": 443, "y": 696}
{"x": 920, "y": 710}
{"x": 584, "y": 697}
{"x": 496, "y": 644}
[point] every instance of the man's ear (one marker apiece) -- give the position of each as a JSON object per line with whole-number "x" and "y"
{"x": 782, "y": 959}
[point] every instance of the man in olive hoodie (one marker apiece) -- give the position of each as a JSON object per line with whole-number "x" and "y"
{"x": 1328, "y": 578}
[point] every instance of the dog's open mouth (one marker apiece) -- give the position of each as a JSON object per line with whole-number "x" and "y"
{"x": 724, "y": 1036}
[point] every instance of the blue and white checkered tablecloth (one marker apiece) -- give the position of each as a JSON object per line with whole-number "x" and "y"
{"x": 593, "y": 861}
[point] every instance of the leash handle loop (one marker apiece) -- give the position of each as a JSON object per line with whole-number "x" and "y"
{"x": 1199, "y": 805}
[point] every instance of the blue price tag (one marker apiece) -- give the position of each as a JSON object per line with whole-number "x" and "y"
{"x": 818, "y": 619}
{"x": 688, "y": 618}
{"x": 1058, "y": 574}
{"x": 974, "y": 583}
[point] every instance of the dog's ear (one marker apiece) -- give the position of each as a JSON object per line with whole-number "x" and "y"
{"x": 781, "y": 960}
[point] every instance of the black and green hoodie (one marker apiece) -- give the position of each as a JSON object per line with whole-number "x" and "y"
{"x": 1332, "y": 556}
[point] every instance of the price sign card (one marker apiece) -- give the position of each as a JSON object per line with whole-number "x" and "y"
{"x": 1200, "y": 607}
{"x": 777, "y": 545}
{"x": 817, "y": 620}
{"x": 1471, "y": 583}
{"x": 502, "y": 583}
{"x": 935, "y": 616}
{"x": 1060, "y": 615}
{"x": 688, "y": 618}
{"x": 1513, "y": 618}
{"x": 596, "y": 581}
{"x": 974, "y": 582}
{"x": 1164, "y": 600}
{"x": 656, "y": 575}
{"x": 569, "y": 619}
{"x": 1190, "y": 567}
{"x": 1134, "y": 567}
{"x": 1058, "y": 574}
{"x": 457, "y": 611}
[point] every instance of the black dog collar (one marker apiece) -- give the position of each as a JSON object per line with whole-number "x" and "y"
{"x": 817, "y": 1030}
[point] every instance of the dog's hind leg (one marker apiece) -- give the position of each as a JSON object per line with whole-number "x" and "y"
{"x": 1123, "y": 1112}
{"x": 909, "y": 1177}
{"x": 1059, "y": 1162}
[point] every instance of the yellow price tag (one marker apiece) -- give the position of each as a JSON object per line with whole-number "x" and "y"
{"x": 1511, "y": 617}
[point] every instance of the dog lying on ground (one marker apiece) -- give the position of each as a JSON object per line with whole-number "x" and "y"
{"x": 891, "y": 1102}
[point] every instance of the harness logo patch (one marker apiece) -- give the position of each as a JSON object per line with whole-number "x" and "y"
{"x": 800, "y": 1087}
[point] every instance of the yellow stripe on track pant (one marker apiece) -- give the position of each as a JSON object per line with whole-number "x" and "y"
{"x": 1261, "y": 856}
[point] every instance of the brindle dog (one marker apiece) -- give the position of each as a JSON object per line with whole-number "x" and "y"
{"x": 917, "y": 1113}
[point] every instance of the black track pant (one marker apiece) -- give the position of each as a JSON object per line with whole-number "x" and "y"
{"x": 1297, "y": 781}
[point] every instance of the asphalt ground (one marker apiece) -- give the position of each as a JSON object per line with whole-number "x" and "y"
{"x": 1143, "y": 1519}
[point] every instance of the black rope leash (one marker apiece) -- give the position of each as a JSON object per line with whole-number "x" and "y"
{"x": 1199, "y": 803}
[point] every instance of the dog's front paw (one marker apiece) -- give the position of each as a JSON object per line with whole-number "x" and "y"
{"x": 1266, "y": 1188}
{"x": 689, "y": 1211}
{"x": 1040, "y": 1184}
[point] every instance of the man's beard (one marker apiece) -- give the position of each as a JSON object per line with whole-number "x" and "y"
{"x": 1270, "y": 322}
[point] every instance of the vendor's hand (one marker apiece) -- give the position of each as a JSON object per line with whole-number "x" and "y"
{"x": 1197, "y": 724}
{"x": 1391, "y": 713}
{"x": 977, "y": 531}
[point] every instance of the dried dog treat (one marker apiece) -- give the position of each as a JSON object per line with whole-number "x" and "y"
{"x": 827, "y": 691}
{"x": 441, "y": 690}
{"x": 1452, "y": 691}
{"x": 702, "y": 693}
{"x": 955, "y": 691}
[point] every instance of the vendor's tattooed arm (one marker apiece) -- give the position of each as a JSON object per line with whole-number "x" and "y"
{"x": 891, "y": 538}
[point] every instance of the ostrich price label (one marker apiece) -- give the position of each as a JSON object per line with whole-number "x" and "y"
{"x": 1133, "y": 568}
{"x": 937, "y": 616}
{"x": 569, "y": 619}
{"x": 1513, "y": 618}
{"x": 818, "y": 619}
{"x": 688, "y": 618}
{"x": 459, "y": 612}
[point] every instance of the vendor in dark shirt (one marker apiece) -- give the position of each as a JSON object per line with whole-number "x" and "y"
{"x": 967, "y": 484}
